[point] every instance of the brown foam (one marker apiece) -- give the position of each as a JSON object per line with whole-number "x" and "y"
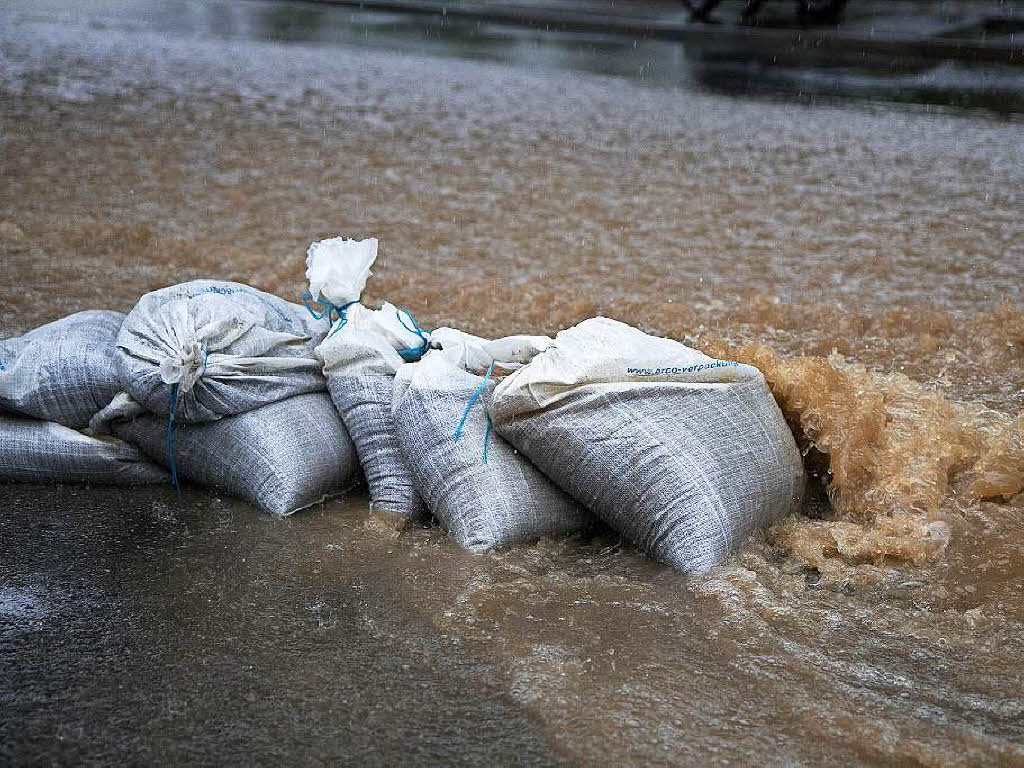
{"x": 893, "y": 453}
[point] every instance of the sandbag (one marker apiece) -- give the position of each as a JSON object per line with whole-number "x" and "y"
{"x": 282, "y": 457}
{"x": 36, "y": 451}
{"x": 360, "y": 357}
{"x": 360, "y": 360}
{"x": 682, "y": 454}
{"x": 484, "y": 493}
{"x": 64, "y": 371}
{"x": 208, "y": 349}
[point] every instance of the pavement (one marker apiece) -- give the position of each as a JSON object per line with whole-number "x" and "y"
{"x": 138, "y": 631}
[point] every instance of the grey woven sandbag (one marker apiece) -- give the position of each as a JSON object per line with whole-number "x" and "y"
{"x": 360, "y": 360}
{"x": 36, "y": 451}
{"x": 282, "y": 457}
{"x": 64, "y": 371}
{"x": 484, "y": 493}
{"x": 682, "y": 454}
{"x": 216, "y": 349}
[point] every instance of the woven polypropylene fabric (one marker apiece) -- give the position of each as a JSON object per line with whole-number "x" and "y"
{"x": 364, "y": 403}
{"x": 360, "y": 368}
{"x": 36, "y": 451}
{"x": 684, "y": 470}
{"x": 235, "y": 348}
{"x": 282, "y": 457}
{"x": 64, "y": 371}
{"x": 483, "y": 506}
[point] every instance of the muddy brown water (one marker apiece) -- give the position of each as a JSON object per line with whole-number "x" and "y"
{"x": 868, "y": 258}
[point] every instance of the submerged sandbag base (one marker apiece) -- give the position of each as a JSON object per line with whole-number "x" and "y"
{"x": 36, "y": 451}
{"x": 283, "y": 457}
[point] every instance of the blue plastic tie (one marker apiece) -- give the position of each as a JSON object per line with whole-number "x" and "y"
{"x": 487, "y": 434}
{"x": 172, "y": 462}
{"x": 329, "y": 308}
{"x": 424, "y": 341}
{"x": 472, "y": 401}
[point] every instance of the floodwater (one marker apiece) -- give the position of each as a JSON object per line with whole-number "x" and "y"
{"x": 867, "y": 257}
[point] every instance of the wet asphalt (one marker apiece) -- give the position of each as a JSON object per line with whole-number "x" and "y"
{"x": 136, "y": 630}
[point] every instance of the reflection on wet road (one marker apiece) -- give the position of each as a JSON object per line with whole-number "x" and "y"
{"x": 736, "y": 68}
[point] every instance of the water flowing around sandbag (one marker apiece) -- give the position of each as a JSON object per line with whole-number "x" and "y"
{"x": 483, "y": 492}
{"x": 227, "y": 347}
{"x": 64, "y": 371}
{"x": 683, "y": 454}
{"x": 36, "y": 451}
{"x": 282, "y": 457}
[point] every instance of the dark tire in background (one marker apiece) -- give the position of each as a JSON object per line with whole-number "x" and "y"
{"x": 699, "y": 9}
{"x": 820, "y": 10}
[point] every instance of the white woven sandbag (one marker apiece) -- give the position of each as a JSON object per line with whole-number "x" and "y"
{"x": 283, "y": 457}
{"x": 223, "y": 348}
{"x": 64, "y": 371}
{"x": 682, "y": 454}
{"x": 360, "y": 358}
{"x": 36, "y": 451}
{"x": 484, "y": 493}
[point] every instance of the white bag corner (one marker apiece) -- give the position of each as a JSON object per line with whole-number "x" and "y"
{"x": 475, "y": 354}
{"x": 337, "y": 268}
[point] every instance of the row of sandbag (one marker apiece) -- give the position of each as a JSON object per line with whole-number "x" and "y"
{"x": 86, "y": 398}
{"x": 503, "y": 441}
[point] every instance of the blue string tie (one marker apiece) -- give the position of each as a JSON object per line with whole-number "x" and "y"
{"x": 329, "y": 309}
{"x": 487, "y": 435}
{"x": 172, "y": 462}
{"x": 423, "y": 337}
{"x": 469, "y": 406}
